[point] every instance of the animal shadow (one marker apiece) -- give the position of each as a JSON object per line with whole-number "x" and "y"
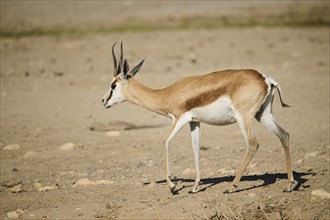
{"x": 267, "y": 178}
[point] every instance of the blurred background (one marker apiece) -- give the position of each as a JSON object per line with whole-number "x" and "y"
{"x": 36, "y": 17}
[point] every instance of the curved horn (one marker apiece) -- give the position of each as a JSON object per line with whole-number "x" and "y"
{"x": 120, "y": 64}
{"x": 115, "y": 72}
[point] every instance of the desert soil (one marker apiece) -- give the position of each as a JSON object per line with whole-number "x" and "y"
{"x": 51, "y": 90}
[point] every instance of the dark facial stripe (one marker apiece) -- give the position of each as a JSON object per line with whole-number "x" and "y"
{"x": 109, "y": 96}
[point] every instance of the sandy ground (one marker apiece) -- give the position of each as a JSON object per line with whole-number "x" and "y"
{"x": 51, "y": 90}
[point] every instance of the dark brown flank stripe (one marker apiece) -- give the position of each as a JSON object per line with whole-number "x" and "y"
{"x": 208, "y": 97}
{"x": 204, "y": 98}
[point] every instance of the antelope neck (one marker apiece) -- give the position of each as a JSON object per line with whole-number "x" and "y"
{"x": 146, "y": 97}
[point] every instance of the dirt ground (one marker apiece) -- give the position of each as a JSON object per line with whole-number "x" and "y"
{"x": 51, "y": 90}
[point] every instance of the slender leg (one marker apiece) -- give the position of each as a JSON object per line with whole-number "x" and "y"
{"x": 194, "y": 129}
{"x": 176, "y": 127}
{"x": 252, "y": 148}
{"x": 270, "y": 123}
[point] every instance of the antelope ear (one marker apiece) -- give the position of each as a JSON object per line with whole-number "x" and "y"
{"x": 137, "y": 68}
{"x": 125, "y": 69}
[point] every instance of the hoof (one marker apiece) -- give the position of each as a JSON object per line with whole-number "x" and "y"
{"x": 193, "y": 191}
{"x": 227, "y": 191}
{"x": 291, "y": 186}
{"x": 195, "y": 187}
{"x": 230, "y": 189}
{"x": 173, "y": 190}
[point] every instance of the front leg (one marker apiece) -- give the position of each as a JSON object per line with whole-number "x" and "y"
{"x": 176, "y": 127}
{"x": 194, "y": 129}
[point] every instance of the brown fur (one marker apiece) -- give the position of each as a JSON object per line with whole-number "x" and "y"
{"x": 246, "y": 88}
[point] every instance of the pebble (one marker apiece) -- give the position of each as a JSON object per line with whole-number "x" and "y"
{"x": 68, "y": 147}
{"x": 12, "y": 215}
{"x": 113, "y": 133}
{"x": 40, "y": 188}
{"x": 37, "y": 185}
{"x": 300, "y": 161}
{"x": 312, "y": 154}
{"x": 46, "y": 188}
{"x": 225, "y": 171}
{"x": 86, "y": 181}
{"x": 12, "y": 147}
{"x": 16, "y": 189}
{"x": 308, "y": 169}
{"x": 188, "y": 172}
{"x": 113, "y": 126}
{"x": 152, "y": 184}
{"x": 321, "y": 193}
{"x": 29, "y": 154}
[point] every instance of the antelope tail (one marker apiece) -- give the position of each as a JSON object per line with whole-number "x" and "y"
{"x": 280, "y": 95}
{"x": 278, "y": 88}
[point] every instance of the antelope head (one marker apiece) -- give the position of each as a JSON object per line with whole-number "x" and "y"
{"x": 121, "y": 75}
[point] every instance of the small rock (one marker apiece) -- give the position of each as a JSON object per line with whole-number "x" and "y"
{"x": 68, "y": 147}
{"x": 86, "y": 181}
{"x": 300, "y": 161}
{"x": 113, "y": 126}
{"x": 204, "y": 148}
{"x": 37, "y": 186}
{"x": 152, "y": 185}
{"x": 308, "y": 169}
{"x": 113, "y": 133}
{"x": 193, "y": 58}
{"x": 322, "y": 194}
{"x": 46, "y": 188}
{"x": 225, "y": 171}
{"x": 20, "y": 211}
{"x": 29, "y": 154}
{"x": 312, "y": 154}
{"x": 16, "y": 189}
{"x": 83, "y": 182}
{"x": 12, "y": 215}
{"x": 12, "y": 147}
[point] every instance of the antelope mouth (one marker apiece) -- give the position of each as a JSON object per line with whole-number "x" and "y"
{"x": 106, "y": 105}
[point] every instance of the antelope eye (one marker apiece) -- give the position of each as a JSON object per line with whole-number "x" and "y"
{"x": 113, "y": 86}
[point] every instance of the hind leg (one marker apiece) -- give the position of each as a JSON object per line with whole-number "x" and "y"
{"x": 270, "y": 123}
{"x": 252, "y": 144}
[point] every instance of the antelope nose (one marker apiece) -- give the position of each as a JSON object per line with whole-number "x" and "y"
{"x": 102, "y": 101}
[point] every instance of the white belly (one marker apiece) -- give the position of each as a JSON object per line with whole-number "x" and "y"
{"x": 220, "y": 112}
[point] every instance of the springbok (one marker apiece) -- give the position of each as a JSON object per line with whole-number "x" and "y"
{"x": 218, "y": 98}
